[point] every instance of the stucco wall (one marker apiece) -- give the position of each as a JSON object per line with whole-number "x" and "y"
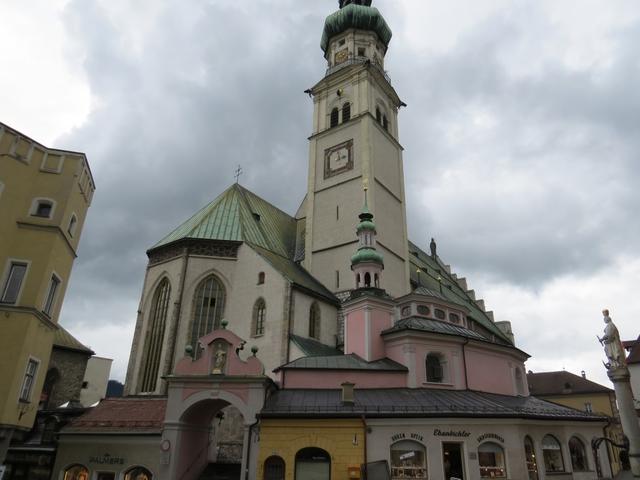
{"x": 96, "y": 377}
{"x": 342, "y": 439}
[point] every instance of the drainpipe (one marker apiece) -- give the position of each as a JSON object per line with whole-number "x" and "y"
{"x": 365, "y": 427}
{"x": 289, "y": 325}
{"x": 464, "y": 363}
{"x": 246, "y": 467}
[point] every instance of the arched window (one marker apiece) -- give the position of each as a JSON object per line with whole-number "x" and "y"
{"x": 335, "y": 117}
{"x": 260, "y": 278}
{"x": 408, "y": 460}
{"x": 530, "y": 458}
{"x": 76, "y": 472}
{"x": 491, "y": 460}
{"x": 314, "y": 321}
{"x": 434, "y": 367}
{"x": 378, "y": 115}
{"x": 313, "y": 463}
{"x": 71, "y": 230}
{"x": 578, "y": 455}
{"x": 385, "y": 122}
{"x": 376, "y": 280}
{"x": 155, "y": 336}
{"x": 358, "y": 280}
{"x": 274, "y": 468}
{"x": 259, "y": 316}
{"x": 138, "y": 473}
{"x": 552, "y": 454}
{"x": 367, "y": 279}
{"x": 346, "y": 112}
{"x": 208, "y": 310}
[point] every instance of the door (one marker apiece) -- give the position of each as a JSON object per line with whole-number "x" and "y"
{"x": 452, "y": 461}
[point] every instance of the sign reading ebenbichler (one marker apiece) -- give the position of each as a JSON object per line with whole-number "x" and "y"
{"x": 106, "y": 459}
{"x": 451, "y": 433}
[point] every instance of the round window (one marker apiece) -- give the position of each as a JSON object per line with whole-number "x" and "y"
{"x": 439, "y": 314}
{"x": 454, "y": 318}
{"x": 406, "y": 311}
{"x": 423, "y": 310}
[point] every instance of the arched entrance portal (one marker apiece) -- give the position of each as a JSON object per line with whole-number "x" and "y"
{"x": 212, "y": 405}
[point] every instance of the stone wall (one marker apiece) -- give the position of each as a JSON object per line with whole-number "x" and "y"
{"x": 71, "y": 366}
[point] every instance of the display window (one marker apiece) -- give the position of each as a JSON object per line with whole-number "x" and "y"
{"x": 408, "y": 461}
{"x": 530, "y": 457}
{"x": 492, "y": 461}
{"x": 138, "y": 473}
{"x": 578, "y": 455}
{"x": 313, "y": 464}
{"x": 76, "y": 472}
{"x": 552, "y": 454}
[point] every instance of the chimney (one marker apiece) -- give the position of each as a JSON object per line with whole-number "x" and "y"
{"x": 584, "y": 375}
{"x": 347, "y": 393}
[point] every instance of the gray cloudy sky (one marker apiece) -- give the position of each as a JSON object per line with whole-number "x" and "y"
{"x": 521, "y": 134}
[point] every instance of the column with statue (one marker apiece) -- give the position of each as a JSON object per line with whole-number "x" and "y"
{"x": 618, "y": 373}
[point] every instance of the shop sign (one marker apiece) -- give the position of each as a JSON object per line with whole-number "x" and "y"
{"x": 403, "y": 436}
{"x": 451, "y": 433}
{"x": 106, "y": 459}
{"x": 487, "y": 436}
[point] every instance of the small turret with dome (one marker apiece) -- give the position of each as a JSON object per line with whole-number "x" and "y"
{"x": 371, "y": 41}
{"x": 367, "y": 263}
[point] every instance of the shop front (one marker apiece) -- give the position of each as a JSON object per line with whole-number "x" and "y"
{"x": 474, "y": 449}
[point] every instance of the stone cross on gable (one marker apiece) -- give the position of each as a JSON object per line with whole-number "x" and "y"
{"x": 238, "y": 173}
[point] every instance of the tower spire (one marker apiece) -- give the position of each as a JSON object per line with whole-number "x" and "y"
{"x": 367, "y": 263}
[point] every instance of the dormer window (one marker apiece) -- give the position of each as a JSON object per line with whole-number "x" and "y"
{"x": 335, "y": 117}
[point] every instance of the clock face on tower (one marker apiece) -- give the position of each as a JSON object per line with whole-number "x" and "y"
{"x": 338, "y": 159}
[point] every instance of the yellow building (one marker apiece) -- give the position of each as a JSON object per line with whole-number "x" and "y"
{"x": 577, "y": 392}
{"x": 306, "y": 445}
{"x": 44, "y": 197}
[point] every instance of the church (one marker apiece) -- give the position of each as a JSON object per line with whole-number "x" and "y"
{"x": 324, "y": 344}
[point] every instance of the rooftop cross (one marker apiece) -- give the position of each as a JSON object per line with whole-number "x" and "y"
{"x": 238, "y": 173}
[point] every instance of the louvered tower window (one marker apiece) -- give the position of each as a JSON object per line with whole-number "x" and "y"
{"x": 208, "y": 310}
{"x": 155, "y": 335}
{"x": 346, "y": 112}
{"x": 335, "y": 117}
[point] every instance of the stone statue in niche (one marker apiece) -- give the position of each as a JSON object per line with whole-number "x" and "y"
{"x": 612, "y": 345}
{"x": 344, "y": 3}
{"x": 219, "y": 358}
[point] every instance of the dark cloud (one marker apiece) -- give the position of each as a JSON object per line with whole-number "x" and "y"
{"x": 522, "y": 172}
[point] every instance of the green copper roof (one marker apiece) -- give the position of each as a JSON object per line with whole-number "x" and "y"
{"x": 239, "y": 215}
{"x": 296, "y": 274}
{"x": 355, "y": 16}
{"x": 366, "y": 254}
{"x": 366, "y": 225}
{"x": 430, "y": 269}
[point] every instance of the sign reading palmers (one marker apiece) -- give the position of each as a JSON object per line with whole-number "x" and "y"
{"x": 487, "y": 436}
{"x": 106, "y": 459}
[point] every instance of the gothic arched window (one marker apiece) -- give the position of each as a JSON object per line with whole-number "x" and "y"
{"x": 346, "y": 112}
{"x": 155, "y": 335}
{"x": 208, "y": 309}
{"x": 259, "y": 316}
{"x": 314, "y": 321}
{"x": 335, "y": 117}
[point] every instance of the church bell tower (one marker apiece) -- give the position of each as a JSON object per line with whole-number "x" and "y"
{"x": 355, "y": 143}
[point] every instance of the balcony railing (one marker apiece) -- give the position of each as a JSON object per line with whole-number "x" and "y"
{"x": 358, "y": 61}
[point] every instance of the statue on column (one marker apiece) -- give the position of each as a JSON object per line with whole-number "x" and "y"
{"x": 612, "y": 344}
{"x": 344, "y": 3}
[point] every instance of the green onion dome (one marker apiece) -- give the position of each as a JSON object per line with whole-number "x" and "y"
{"x": 366, "y": 225}
{"x": 366, "y": 254}
{"x": 356, "y": 16}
